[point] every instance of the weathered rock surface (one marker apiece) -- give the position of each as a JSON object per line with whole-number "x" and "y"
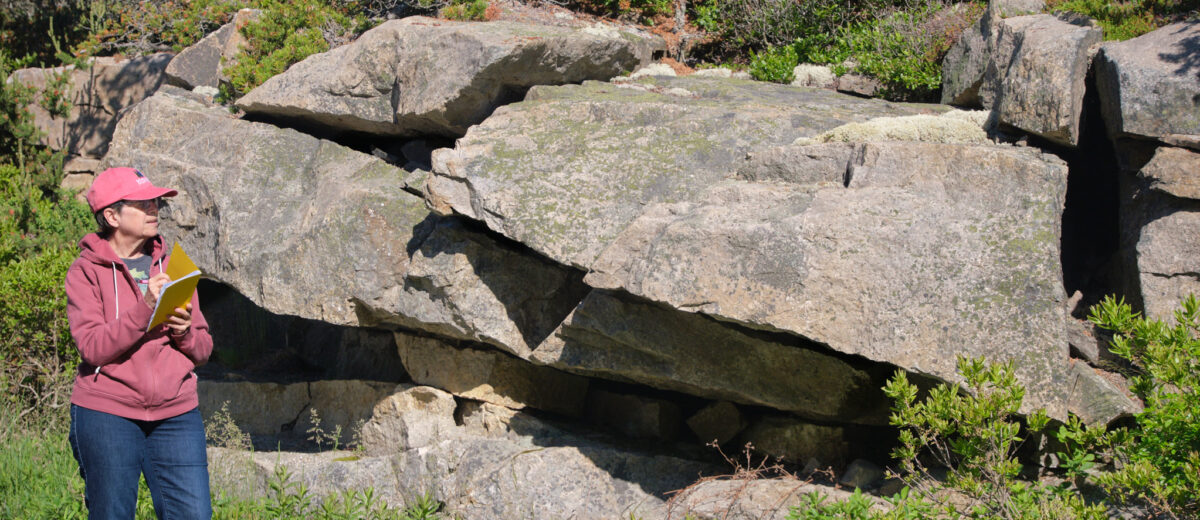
{"x": 201, "y": 64}
{"x": 299, "y": 225}
{"x": 1148, "y": 84}
{"x": 1095, "y": 399}
{"x": 861, "y": 473}
{"x": 794, "y": 440}
{"x": 967, "y": 60}
{"x": 497, "y": 478}
{"x": 1161, "y": 229}
{"x": 339, "y": 407}
{"x": 689, "y": 353}
{"x": 305, "y": 227}
{"x": 1167, "y": 254}
{"x": 899, "y": 252}
{"x": 424, "y": 76}
{"x": 1029, "y": 70}
{"x": 97, "y": 95}
{"x": 491, "y": 376}
{"x": 272, "y": 408}
{"x": 412, "y": 417}
{"x": 753, "y": 499}
{"x": 465, "y": 284}
{"x": 1175, "y": 171}
{"x": 1035, "y": 79}
{"x": 596, "y": 154}
{"x": 808, "y": 256}
{"x": 257, "y": 408}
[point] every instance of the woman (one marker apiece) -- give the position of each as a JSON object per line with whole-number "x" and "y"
{"x": 134, "y": 405}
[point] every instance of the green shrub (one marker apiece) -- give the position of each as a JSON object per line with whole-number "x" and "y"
{"x": 774, "y": 64}
{"x": 1123, "y": 20}
{"x": 902, "y": 48}
{"x": 467, "y": 10}
{"x": 1161, "y": 456}
{"x": 141, "y": 27}
{"x": 285, "y": 33}
{"x": 975, "y": 434}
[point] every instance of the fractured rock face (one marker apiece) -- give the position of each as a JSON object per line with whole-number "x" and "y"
{"x": 1035, "y": 80}
{"x": 97, "y": 95}
{"x": 419, "y": 75}
{"x": 566, "y": 170}
{"x": 1161, "y": 231}
{"x": 1148, "y": 85}
{"x": 467, "y": 285}
{"x": 1030, "y": 70}
{"x": 899, "y": 252}
{"x": 617, "y": 337}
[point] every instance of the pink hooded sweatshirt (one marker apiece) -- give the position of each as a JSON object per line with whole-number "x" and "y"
{"x": 127, "y": 371}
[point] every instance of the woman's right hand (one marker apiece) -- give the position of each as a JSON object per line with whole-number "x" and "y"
{"x": 155, "y": 284}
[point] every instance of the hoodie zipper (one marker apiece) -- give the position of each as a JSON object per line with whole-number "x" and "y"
{"x": 151, "y": 392}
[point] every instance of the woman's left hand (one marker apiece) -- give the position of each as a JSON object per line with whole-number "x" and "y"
{"x": 180, "y": 321}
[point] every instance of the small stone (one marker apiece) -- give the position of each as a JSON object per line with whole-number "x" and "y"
{"x": 1083, "y": 341}
{"x": 817, "y": 76}
{"x": 412, "y": 417}
{"x": 861, "y": 474}
{"x": 715, "y": 72}
{"x": 719, "y": 422}
{"x": 858, "y": 84}
{"x": 654, "y": 69}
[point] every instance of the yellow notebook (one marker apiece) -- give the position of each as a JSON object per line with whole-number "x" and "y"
{"x": 176, "y": 293}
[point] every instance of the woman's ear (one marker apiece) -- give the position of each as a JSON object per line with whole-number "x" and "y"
{"x": 110, "y": 216}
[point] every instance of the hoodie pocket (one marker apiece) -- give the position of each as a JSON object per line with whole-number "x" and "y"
{"x": 128, "y": 380}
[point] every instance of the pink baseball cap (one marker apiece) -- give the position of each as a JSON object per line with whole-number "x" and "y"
{"x": 116, "y": 184}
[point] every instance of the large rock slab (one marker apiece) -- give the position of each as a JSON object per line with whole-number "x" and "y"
{"x": 500, "y": 478}
{"x": 1035, "y": 79}
{"x": 201, "y": 65}
{"x": 97, "y": 95}
{"x": 424, "y": 76}
{"x": 298, "y": 225}
{"x": 913, "y": 261}
{"x": 565, "y": 171}
{"x": 899, "y": 252}
{"x": 1148, "y": 84}
{"x": 689, "y": 353}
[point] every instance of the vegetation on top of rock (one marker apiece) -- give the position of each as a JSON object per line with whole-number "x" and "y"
{"x": 1127, "y": 19}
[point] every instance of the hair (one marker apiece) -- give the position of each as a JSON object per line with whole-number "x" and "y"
{"x": 105, "y": 229}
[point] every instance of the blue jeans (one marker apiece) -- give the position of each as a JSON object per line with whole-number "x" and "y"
{"x": 113, "y": 451}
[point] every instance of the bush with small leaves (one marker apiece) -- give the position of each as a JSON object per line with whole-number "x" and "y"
{"x": 1160, "y": 458}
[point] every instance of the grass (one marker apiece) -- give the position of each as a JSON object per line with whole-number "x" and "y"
{"x": 39, "y": 479}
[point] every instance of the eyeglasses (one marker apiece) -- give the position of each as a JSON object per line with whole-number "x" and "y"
{"x": 145, "y": 206}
